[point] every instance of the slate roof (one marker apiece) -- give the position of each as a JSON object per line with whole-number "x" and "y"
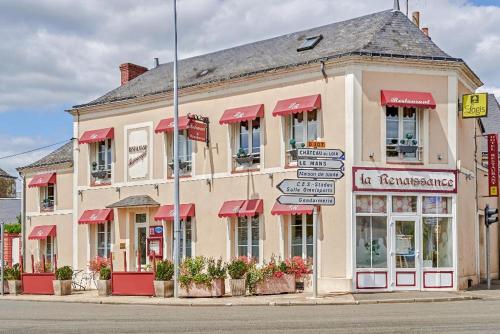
{"x": 63, "y": 154}
{"x": 383, "y": 34}
{"x": 9, "y": 209}
{"x": 491, "y": 123}
{"x": 5, "y": 174}
{"x": 141, "y": 200}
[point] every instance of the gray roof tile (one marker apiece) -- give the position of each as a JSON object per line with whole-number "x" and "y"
{"x": 63, "y": 154}
{"x": 388, "y": 34}
{"x": 5, "y": 174}
{"x": 141, "y": 200}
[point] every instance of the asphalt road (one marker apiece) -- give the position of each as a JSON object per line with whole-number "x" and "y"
{"x": 443, "y": 317}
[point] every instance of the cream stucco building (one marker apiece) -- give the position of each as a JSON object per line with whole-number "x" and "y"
{"x": 407, "y": 212}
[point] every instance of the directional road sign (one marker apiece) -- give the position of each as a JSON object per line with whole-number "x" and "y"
{"x": 319, "y": 174}
{"x": 307, "y": 187}
{"x": 306, "y": 200}
{"x": 320, "y": 163}
{"x": 331, "y": 154}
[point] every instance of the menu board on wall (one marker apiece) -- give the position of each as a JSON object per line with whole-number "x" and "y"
{"x": 138, "y": 153}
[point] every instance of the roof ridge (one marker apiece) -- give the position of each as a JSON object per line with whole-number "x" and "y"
{"x": 382, "y": 25}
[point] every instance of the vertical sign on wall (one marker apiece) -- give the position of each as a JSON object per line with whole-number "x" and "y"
{"x": 493, "y": 165}
{"x": 138, "y": 153}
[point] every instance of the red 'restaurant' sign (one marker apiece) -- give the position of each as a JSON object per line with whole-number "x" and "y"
{"x": 197, "y": 131}
{"x": 493, "y": 165}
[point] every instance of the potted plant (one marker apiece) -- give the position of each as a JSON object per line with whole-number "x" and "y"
{"x": 202, "y": 277}
{"x": 243, "y": 158}
{"x": 271, "y": 278}
{"x": 13, "y": 277}
{"x": 182, "y": 165}
{"x": 237, "y": 270}
{"x": 301, "y": 269}
{"x": 408, "y": 145}
{"x": 294, "y": 149}
{"x": 104, "y": 282}
{"x": 163, "y": 283}
{"x": 62, "y": 283}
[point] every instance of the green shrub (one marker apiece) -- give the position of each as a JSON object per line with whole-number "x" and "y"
{"x": 216, "y": 269}
{"x": 164, "y": 270}
{"x": 64, "y": 273}
{"x": 12, "y": 228}
{"x": 237, "y": 268}
{"x": 13, "y": 273}
{"x": 105, "y": 273}
{"x": 200, "y": 270}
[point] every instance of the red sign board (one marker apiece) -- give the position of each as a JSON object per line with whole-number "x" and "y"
{"x": 493, "y": 165}
{"x": 197, "y": 131}
{"x": 156, "y": 231}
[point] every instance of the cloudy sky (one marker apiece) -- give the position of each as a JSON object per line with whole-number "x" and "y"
{"x": 58, "y": 53}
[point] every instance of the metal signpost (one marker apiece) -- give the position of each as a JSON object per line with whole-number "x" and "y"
{"x": 318, "y": 168}
{"x": 2, "y": 261}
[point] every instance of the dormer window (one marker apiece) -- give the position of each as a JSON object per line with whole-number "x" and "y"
{"x": 309, "y": 43}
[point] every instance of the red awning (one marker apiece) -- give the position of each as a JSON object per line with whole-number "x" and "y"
{"x": 230, "y": 208}
{"x": 94, "y": 136}
{"x": 395, "y": 98}
{"x": 282, "y": 209}
{"x": 96, "y": 216}
{"x": 251, "y": 208}
{"x": 42, "y": 232}
{"x": 242, "y": 114}
{"x": 166, "y": 212}
{"x": 42, "y": 180}
{"x": 297, "y": 104}
{"x": 167, "y": 125}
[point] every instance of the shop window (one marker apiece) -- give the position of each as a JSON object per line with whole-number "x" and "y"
{"x": 404, "y": 204}
{"x": 49, "y": 249}
{"x": 247, "y": 237}
{"x": 371, "y": 231}
{"x": 101, "y": 162}
{"x": 247, "y": 144}
{"x": 437, "y": 232}
{"x": 301, "y": 236}
{"x": 104, "y": 239}
{"x": 403, "y": 140}
{"x": 185, "y": 154}
{"x": 47, "y": 198}
{"x": 302, "y": 127}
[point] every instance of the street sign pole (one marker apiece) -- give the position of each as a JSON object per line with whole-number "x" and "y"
{"x": 2, "y": 261}
{"x": 488, "y": 276}
{"x": 315, "y": 252}
{"x": 176, "y": 161}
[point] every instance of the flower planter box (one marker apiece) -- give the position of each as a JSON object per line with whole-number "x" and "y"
{"x": 38, "y": 283}
{"x": 62, "y": 288}
{"x": 15, "y": 287}
{"x": 244, "y": 160}
{"x": 132, "y": 283}
{"x": 275, "y": 285}
{"x": 217, "y": 289}
{"x": 104, "y": 287}
{"x": 407, "y": 149}
{"x": 164, "y": 289}
{"x": 238, "y": 287}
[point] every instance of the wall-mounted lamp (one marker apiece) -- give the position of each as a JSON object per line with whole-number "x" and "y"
{"x": 270, "y": 176}
{"x": 80, "y": 192}
{"x": 371, "y": 155}
{"x": 156, "y": 186}
{"x": 209, "y": 182}
{"x": 118, "y": 189}
{"x": 440, "y": 156}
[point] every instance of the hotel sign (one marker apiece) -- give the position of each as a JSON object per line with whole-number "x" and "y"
{"x": 475, "y": 105}
{"x": 404, "y": 180}
{"x": 492, "y": 165}
{"x": 138, "y": 160}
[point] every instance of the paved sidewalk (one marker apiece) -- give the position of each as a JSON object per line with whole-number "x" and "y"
{"x": 273, "y": 300}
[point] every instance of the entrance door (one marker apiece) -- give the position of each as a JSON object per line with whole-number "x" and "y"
{"x": 141, "y": 230}
{"x": 405, "y": 253}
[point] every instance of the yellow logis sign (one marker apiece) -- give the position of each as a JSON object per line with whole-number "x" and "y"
{"x": 475, "y": 105}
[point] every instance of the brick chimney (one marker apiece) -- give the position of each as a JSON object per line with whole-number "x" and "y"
{"x": 130, "y": 71}
{"x": 426, "y": 32}
{"x": 416, "y": 18}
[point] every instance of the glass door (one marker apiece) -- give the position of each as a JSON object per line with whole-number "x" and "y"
{"x": 405, "y": 253}
{"x": 140, "y": 240}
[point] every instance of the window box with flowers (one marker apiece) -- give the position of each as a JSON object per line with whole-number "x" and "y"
{"x": 202, "y": 277}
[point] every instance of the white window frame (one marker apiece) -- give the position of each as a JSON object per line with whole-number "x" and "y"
{"x": 418, "y": 125}
{"x": 289, "y": 131}
{"x": 183, "y": 237}
{"x": 304, "y": 235}
{"x": 52, "y": 249}
{"x": 108, "y": 229}
{"x": 95, "y": 158}
{"x": 43, "y": 194}
{"x": 249, "y": 240}
{"x": 169, "y": 140}
{"x": 236, "y": 132}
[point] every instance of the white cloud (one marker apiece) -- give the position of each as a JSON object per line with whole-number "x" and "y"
{"x": 58, "y": 52}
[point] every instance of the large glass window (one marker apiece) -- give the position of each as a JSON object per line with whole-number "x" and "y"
{"x": 301, "y": 236}
{"x": 437, "y": 232}
{"x": 49, "y": 249}
{"x": 248, "y": 143}
{"x": 371, "y": 231}
{"x": 185, "y": 153}
{"x": 402, "y": 133}
{"x": 47, "y": 198}
{"x": 404, "y": 204}
{"x": 247, "y": 237}
{"x": 101, "y": 165}
{"x": 186, "y": 238}
{"x": 104, "y": 239}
